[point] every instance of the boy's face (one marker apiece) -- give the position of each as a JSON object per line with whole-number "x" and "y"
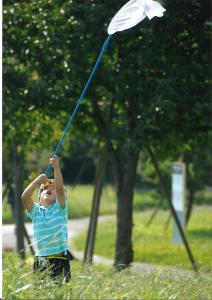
{"x": 48, "y": 195}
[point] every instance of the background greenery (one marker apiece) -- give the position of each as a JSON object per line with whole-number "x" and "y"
{"x": 158, "y": 74}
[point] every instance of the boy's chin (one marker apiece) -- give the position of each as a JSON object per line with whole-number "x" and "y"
{"x": 47, "y": 202}
{"x": 51, "y": 201}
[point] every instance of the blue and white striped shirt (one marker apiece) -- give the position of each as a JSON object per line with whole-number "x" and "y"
{"x": 50, "y": 230}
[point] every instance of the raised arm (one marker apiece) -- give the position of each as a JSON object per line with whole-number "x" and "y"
{"x": 58, "y": 178}
{"x": 28, "y": 192}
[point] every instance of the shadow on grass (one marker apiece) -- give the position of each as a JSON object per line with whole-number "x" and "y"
{"x": 201, "y": 233}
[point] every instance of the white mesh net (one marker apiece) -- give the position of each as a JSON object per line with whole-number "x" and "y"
{"x": 134, "y": 12}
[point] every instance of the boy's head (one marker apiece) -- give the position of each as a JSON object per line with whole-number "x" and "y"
{"x": 47, "y": 193}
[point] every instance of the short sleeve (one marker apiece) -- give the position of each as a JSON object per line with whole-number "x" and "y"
{"x": 63, "y": 210}
{"x": 33, "y": 211}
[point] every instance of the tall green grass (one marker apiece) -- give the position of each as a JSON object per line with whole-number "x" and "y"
{"x": 99, "y": 282}
{"x": 153, "y": 244}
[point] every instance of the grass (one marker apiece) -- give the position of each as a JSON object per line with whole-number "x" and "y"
{"x": 80, "y": 202}
{"x": 99, "y": 282}
{"x": 153, "y": 244}
{"x": 7, "y": 216}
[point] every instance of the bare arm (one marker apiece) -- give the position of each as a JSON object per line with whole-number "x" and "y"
{"x": 58, "y": 181}
{"x": 28, "y": 192}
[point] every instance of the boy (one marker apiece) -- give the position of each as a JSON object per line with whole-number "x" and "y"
{"x": 49, "y": 218}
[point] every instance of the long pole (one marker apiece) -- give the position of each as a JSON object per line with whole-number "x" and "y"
{"x": 104, "y": 47}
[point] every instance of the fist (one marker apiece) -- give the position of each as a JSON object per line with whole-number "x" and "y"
{"x": 42, "y": 179}
{"x": 54, "y": 161}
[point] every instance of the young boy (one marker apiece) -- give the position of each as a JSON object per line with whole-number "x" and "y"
{"x": 49, "y": 218}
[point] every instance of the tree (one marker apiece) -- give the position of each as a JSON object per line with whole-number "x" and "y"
{"x": 25, "y": 123}
{"x": 159, "y": 100}
{"x": 156, "y": 119}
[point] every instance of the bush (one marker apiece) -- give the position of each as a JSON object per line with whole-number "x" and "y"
{"x": 203, "y": 197}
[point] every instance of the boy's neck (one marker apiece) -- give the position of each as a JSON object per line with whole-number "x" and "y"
{"x": 46, "y": 204}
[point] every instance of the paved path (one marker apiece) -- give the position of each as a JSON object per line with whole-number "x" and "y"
{"x": 75, "y": 226}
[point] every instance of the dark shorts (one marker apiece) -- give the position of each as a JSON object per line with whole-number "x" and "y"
{"x": 58, "y": 266}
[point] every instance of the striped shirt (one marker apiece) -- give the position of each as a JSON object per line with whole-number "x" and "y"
{"x": 49, "y": 228}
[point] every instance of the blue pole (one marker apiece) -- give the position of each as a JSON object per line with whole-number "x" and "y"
{"x": 104, "y": 47}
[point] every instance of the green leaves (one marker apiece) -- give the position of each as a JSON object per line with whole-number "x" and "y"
{"x": 157, "y": 72}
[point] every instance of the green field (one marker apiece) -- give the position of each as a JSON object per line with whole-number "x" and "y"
{"x": 99, "y": 282}
{"x": 153, "y": 244}
{"x": 80, "y": 201}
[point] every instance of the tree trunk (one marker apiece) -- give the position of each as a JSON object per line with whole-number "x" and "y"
{"x": 190, "y": 198}
{"x": 99, "y": 177}
{"x": 124, "y": 248}
{"x": 90, "y": 242}
{"x": 18, "y": 158}
{"x": 189, "y": 204}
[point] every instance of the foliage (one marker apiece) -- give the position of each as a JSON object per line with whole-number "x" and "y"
{"x": 203, "y": 197}
{"x": 34, "y": 59}
{"x": 102, "y": 283}
{"x": 199, "y": 163}
{"x": 153, "y": 244}
{"x": 48, "y": 52}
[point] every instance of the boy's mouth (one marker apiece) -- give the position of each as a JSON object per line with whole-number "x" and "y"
{"x": 48, "y": 192}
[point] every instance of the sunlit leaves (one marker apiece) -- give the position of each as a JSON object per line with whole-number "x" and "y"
{"x": 155, "y": 72}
